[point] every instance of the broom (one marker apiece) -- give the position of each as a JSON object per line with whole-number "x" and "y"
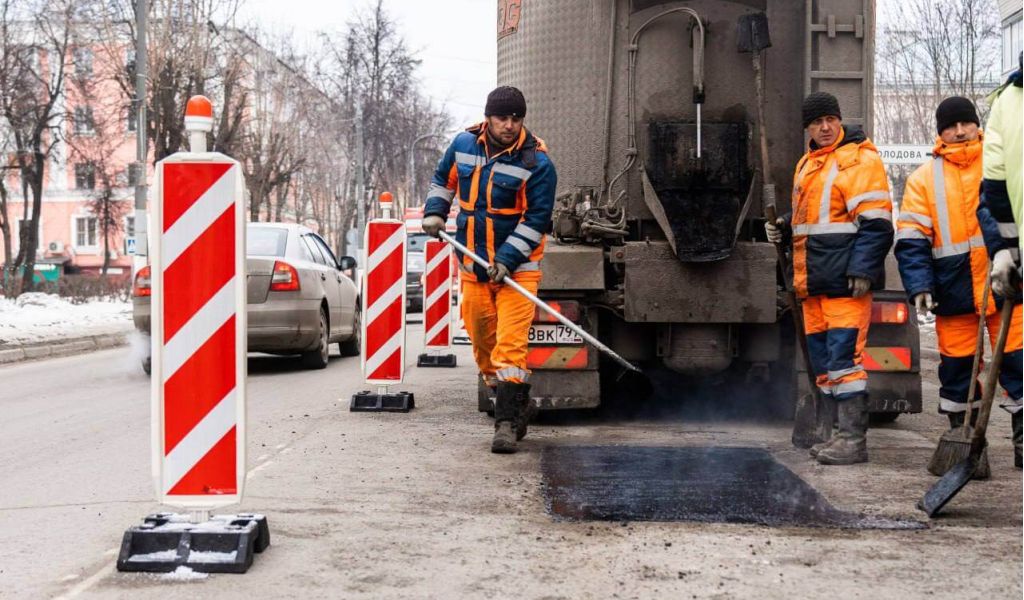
{"x": 955, "y": 444}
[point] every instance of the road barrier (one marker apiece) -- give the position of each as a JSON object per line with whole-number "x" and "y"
{"x": 198, "y": 387}
{"x": 383, "y": 294}
{"x": 437, "y": 306}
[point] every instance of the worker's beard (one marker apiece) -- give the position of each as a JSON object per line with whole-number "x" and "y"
{"x": 496, "y": 142}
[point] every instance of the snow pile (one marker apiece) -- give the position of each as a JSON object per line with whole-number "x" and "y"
{"x": 34, "y": 317}
{"x": 210, "y": 556}
{"x": 183, "y": 574}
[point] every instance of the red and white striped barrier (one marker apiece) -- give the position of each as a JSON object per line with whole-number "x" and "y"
{"x": 383, "y": 355}
{"x": 437, "y": 294}
{"x": 199, "y": 324}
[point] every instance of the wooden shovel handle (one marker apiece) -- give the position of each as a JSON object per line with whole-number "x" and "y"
{"x": 989, "y": 389}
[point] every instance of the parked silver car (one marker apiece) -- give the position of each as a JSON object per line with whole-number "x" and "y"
{"x": 300, "y": 297}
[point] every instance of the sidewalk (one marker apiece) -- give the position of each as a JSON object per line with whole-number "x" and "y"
{"x": 36, "y": 325}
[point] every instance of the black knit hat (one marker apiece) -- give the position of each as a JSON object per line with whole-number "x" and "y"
{"x": 953, "y": 110}
{"x": 505, "y": 101}
{"x": 819, "y": 104}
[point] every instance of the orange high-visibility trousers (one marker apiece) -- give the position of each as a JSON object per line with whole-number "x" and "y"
{"x": 958, "y": 337}
{"x": 837, "y": 329}
{"x": 497, "y": 319}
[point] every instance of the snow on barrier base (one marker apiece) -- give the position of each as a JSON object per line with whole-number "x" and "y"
{"x": 437, "y": 306}
{"x": 166, "y": 541}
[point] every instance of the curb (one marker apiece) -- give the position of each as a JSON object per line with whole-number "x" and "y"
{"x": 66, "y": 347}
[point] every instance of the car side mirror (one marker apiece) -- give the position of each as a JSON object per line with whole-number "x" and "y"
{"x": 346, "y": 263}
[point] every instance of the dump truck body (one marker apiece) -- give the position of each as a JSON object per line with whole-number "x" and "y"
{"x": 657, "y": 243}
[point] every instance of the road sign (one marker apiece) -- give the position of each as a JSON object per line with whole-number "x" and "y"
{"x": 437, "y": 295}
{"x": 199, "y": 331}
{"x": 129, "y": 245}
{"x": 905, "y": 154}
{"x": 383, "y": 356}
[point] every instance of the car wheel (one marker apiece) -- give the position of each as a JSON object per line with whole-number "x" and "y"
{"x": 318, "y": 357}
{"x": 147, "y": 365}
{"x": 353, "y": 345}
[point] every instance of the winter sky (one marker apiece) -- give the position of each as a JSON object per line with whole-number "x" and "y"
{"x": 455, "y": 39}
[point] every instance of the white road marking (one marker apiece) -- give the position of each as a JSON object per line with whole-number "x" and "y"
{"x": 92, "y": 580}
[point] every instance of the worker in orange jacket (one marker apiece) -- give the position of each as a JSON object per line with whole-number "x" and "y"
{"x": 841, "y": 230}
{"x": 943, "y": 261}
{"x": 504, "y": 182}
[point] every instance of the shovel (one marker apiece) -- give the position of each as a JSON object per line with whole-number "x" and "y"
{"x": 956, "y": 478}
{"x": 813, "y": 416}
{"x": 543, "y": 305}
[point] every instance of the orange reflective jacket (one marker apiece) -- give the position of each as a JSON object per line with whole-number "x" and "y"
{"x": 842, "y": 217}
{"x": 939, "y": 243}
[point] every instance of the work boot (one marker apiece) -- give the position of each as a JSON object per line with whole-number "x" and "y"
{"x": 527, "y": 409}
{"x": 1018, "y": 432}
{"x": 506, "y": 418}
{"x": 850, "y": 445}
{"x": 817, "y": 448}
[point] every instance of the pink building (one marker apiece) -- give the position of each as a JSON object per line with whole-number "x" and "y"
{"x": 99, "y": 129}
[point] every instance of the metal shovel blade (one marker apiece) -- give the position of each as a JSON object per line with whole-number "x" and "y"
{"x": 948, "y": 486}
{"x": 752, "y": 33}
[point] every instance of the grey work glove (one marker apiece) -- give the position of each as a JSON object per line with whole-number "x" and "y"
{"x": 432, "y": 225}
{"x": 497, "y": 272}
{"x": 774, "y": 230}
{"x": 859, "y": 285}
{"x": 1002, "y": 274}
{"x": 923, "y": 302}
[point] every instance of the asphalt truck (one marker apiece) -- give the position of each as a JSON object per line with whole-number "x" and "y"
{"x": 657, "y": 242}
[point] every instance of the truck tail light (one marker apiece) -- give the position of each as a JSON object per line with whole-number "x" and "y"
{"x": 889, "y": 312}
{"x": 143, "y": 284}
{"x": 285, "y": 278}
{"x": 570, "y": 309}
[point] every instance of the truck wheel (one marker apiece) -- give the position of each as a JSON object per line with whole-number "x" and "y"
{"x": 318, "y": 357}
{"x": 880, "y": 418}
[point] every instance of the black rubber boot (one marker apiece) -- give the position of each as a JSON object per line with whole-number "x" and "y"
{"x": 527, "y": 409}
{"x": 850, "y": 445}
{"x": 1018, "y": 433}
{"x": 506, "y": 416}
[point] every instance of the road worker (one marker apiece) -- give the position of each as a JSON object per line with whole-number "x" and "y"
{"x": 1000, "y": 217}
{"x": 944, "y": 264}
{"x": 505, "y": 185}
{"x": 841, "y": 230}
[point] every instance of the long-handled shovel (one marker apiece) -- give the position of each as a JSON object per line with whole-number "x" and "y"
{"x": 813, "y": 417}
{"x": 543, "y": 305}
{"x": 956, "y": 478}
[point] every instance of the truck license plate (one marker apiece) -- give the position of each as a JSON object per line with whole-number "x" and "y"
{"x": 553, "y": 334}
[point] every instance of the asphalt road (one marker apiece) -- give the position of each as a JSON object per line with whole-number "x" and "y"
{"x": 392, "y": 506}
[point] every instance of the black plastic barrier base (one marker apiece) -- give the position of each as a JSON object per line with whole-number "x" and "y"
{"x": 436, "y": 360}
{"x": 366, "y": 401}
{"x": 166, "y": 541}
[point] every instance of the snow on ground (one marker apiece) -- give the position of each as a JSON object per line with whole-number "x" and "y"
{"x": 33, "y": 317}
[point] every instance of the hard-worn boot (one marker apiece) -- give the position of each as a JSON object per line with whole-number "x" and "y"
{"x": 527, "y": 409}
{"x": 1018, "y": 433}
{"x": 850, "y": 445}
{"x": 817, "y": 448}
{"x": 506, "y": 413}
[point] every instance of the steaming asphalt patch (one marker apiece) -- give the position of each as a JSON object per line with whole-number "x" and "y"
{"x": 708, "y": 485}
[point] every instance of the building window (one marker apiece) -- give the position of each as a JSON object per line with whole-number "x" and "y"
{"x": 129, "y": 226}
{"x": 84, "y": 123}
{"x": 133, "y": 116}
{"x": 85, "y": 176}
{"x": 83, "y": 62}
{"x": 1011, "y": 43}
{"x": 85, "y": 232}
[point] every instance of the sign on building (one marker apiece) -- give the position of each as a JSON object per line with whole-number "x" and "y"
{"x": 905, "y": 154}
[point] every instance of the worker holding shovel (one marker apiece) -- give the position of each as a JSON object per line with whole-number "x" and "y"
{"x": 505, "y": 184}
{"x": 944, "y": 266}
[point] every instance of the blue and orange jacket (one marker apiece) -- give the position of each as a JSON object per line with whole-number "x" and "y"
{"x": 939, "y": 242}
{"x": 505, "y": 201}
{"x": 842, "y": 217}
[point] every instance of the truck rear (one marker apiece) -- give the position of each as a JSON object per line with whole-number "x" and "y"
{"x": 657, "y": 244}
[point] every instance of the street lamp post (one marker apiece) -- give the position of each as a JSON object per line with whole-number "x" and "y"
{"x": 412, "y": 165}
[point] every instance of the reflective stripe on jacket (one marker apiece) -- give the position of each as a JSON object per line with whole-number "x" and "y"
{"x": 505, "y": 201}
{"x": 842, "y": 217}
{"x": 939, "y": 244}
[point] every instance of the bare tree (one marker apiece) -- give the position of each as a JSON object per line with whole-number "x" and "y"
{"x": 35, "y": 40}
{"x": 928, "y": 50}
